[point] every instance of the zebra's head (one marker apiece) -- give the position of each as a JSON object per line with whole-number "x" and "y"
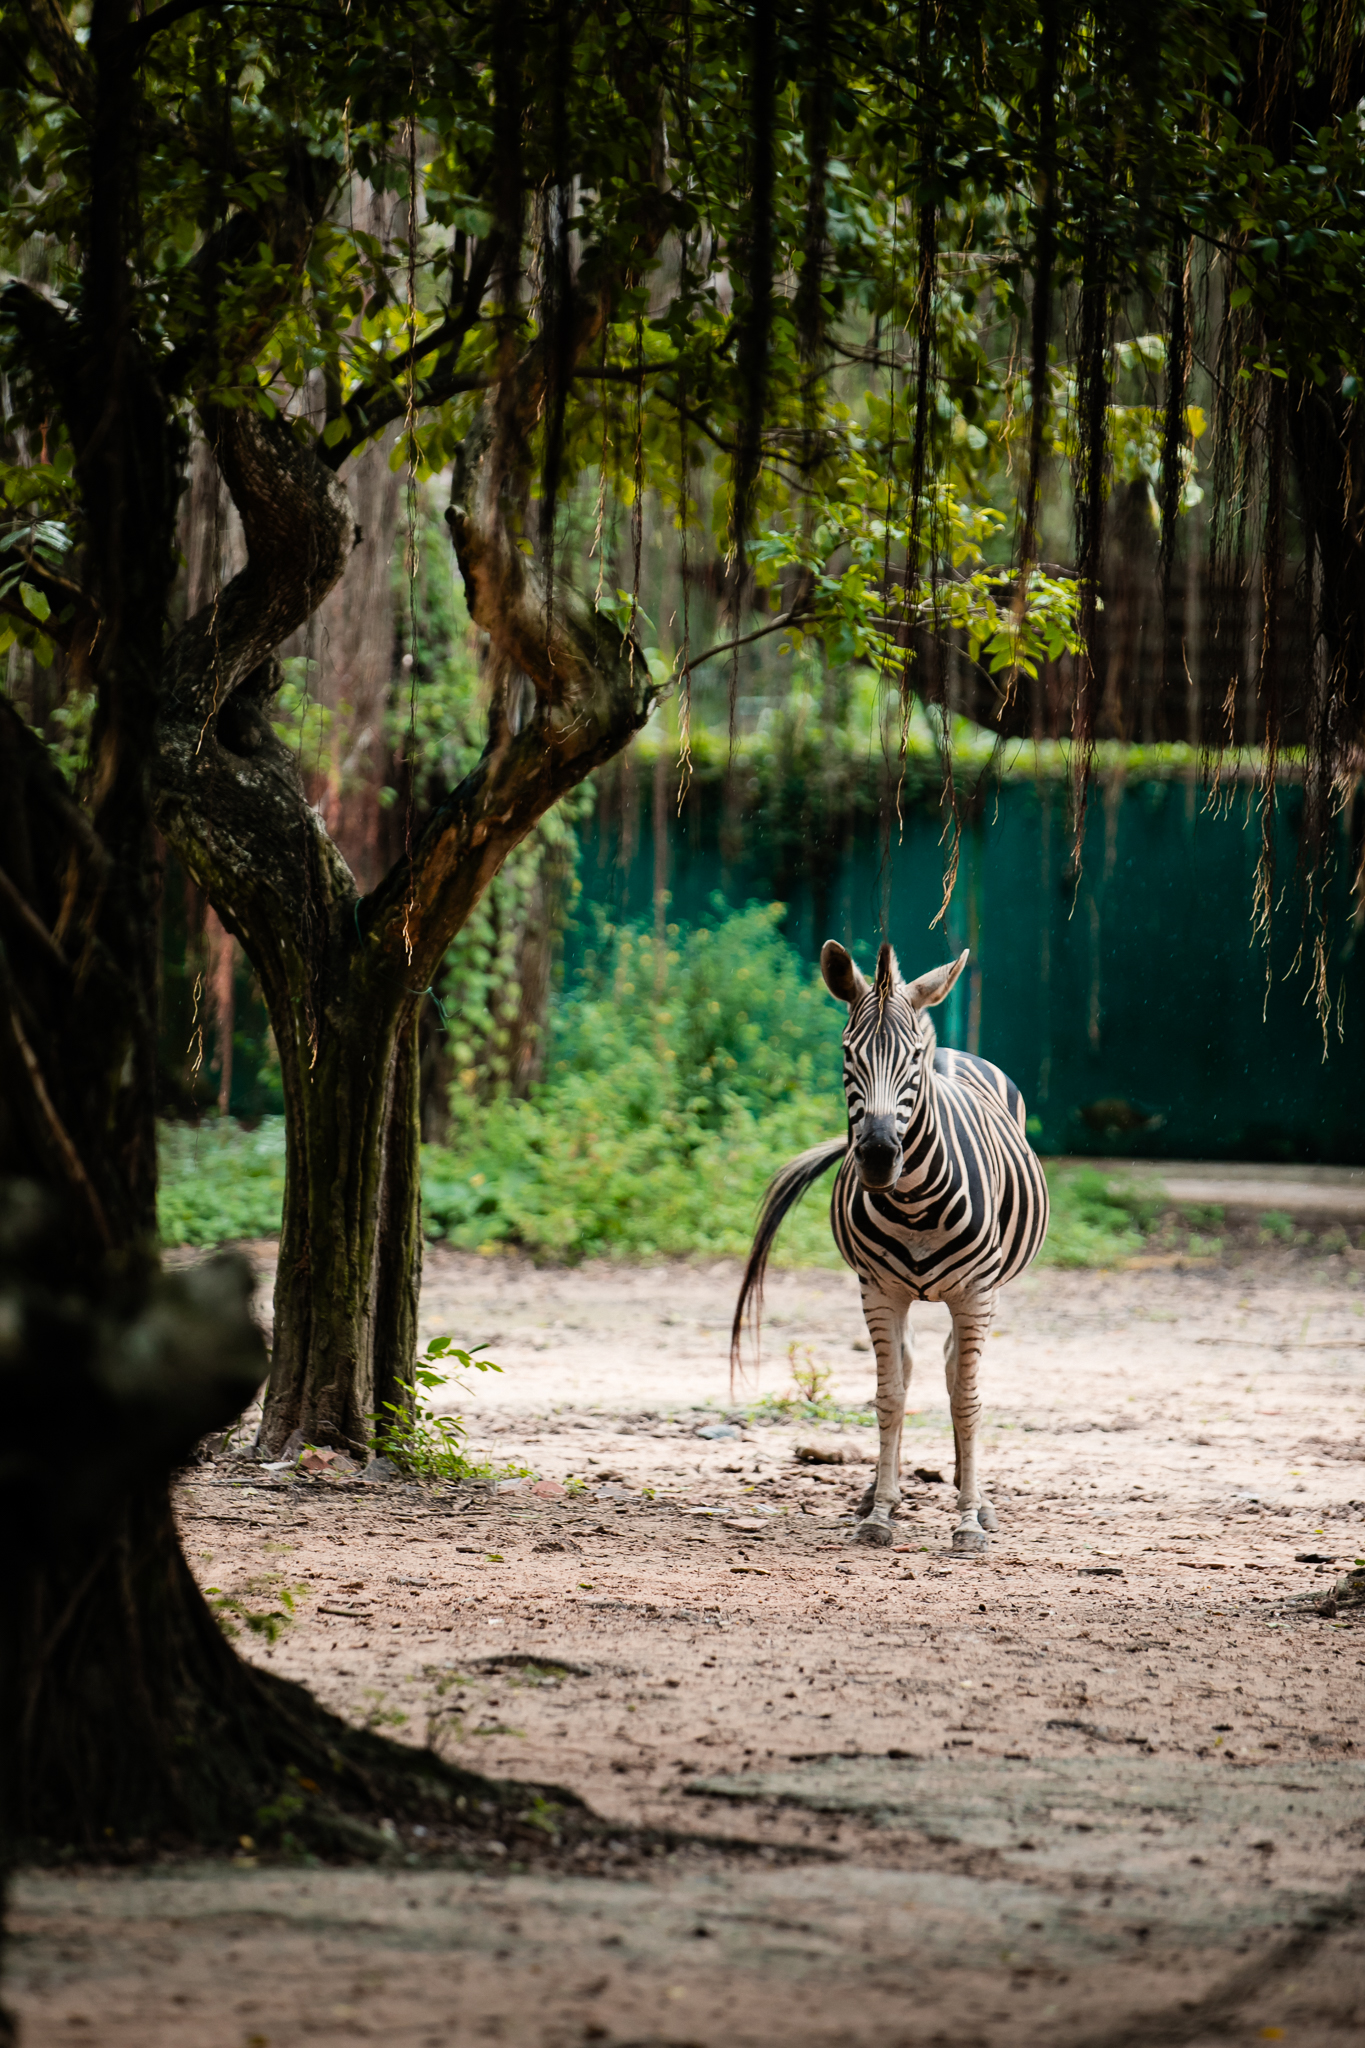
{"x": 888, "y": 1046}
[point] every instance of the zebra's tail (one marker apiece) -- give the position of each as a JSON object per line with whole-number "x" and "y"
{"x": 785, "y": 1190}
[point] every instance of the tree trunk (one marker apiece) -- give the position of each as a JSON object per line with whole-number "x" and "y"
{"x": 133, "y": 1721}
{"x": 351, "y": 1240}
{"x": 342, "y": 974}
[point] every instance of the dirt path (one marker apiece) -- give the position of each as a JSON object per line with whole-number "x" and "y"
{"x": 1104, "y": 1771}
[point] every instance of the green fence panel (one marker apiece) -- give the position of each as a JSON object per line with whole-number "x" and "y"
{"x": 1130, "y": 1002}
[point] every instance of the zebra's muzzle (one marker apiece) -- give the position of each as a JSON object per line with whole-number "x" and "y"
{"x": 877, "y": 1153}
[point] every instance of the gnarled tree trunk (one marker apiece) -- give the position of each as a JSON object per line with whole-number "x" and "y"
{"x": 343, "y": 973}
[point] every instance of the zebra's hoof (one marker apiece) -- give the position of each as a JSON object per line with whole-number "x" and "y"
{"x": 987, "y": 1517}
{"x": 969, "y": 1542}
{"x": 879, "y": 1533}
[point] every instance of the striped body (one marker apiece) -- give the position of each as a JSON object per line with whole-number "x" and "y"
{"x": 970, "y": 1208}
{"x": 939, "y": 1197}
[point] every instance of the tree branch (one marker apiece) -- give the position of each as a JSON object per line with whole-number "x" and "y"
{"x": 614, "y": 373}
{"x": 51, "y": 1133}
{"x": 383, "y": 399}
{"x": 380, "y": 413}
{"x": 286, "y": 227}
{"x": 171, "y": 11}
{"x": 788, "y": 618}
{"x": 30, "y": 923}
{"x": 592, "y": 692}
{"x": 51, "y": 31}
{"x": 299, "y": 531}
{"x": 592, "y": 684}
{"x": 228, "y": 796}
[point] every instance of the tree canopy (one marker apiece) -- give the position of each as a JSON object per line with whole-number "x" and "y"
{"x": 853, "y": 289}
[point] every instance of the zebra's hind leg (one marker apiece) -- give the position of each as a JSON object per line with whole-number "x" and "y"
{"x": 962, "y": 1362}
{"x": 886, "y": 1327}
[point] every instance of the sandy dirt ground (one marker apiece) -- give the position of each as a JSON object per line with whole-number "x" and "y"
{"x": 1104, "y": 1785}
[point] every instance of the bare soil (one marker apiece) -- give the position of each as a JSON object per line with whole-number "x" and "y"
{"x": 1106, "y": 1784}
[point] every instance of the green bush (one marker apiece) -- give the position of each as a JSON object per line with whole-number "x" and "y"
{"x": 673, "y": 1090}
{"x": 428, "y": 1446}
{"x": 220, "y": 1182}
{"x": 1096, "y": 1221}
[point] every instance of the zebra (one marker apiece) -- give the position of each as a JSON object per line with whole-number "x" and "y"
{"x": 940, "y": 1197}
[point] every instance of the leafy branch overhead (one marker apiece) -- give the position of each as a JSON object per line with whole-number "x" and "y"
{"x": 571, "y": 226}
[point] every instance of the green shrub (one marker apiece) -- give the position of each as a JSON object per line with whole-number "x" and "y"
{"x": 428, "y": 1446}
{"x": 673, "y": 1091}
{"x": 220, "y": 1182}
{"x": 1096, "y": 1221}
{"x": 1277, "y": 1227}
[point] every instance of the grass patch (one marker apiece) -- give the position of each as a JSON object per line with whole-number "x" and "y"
{"x": 1096, "y": 1220}
{"x": 810, "y": 1398}
{"x": 792, "y": 1408}
{"x": 233, "y": 1610}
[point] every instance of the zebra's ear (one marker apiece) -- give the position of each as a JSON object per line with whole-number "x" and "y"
{"x": 842, "y": 978}
{"x": 932, "y": 988}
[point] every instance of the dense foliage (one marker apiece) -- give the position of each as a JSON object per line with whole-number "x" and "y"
{"x": 868, "y": 270}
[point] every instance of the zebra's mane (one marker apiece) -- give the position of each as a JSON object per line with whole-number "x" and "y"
{"x": 887, "y": 982}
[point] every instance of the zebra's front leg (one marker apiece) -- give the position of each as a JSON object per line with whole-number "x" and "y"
{"x": 962, "y": 1365}
{"x": 886, "y": 1327}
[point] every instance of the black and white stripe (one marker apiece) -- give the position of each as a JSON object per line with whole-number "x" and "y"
{"x": 940, "y": 1197}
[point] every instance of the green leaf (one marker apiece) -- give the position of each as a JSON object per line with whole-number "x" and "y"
{"x": 35, "y": 602}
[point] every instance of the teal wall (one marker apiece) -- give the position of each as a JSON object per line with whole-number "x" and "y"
{"x": 1139, "y": 987}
